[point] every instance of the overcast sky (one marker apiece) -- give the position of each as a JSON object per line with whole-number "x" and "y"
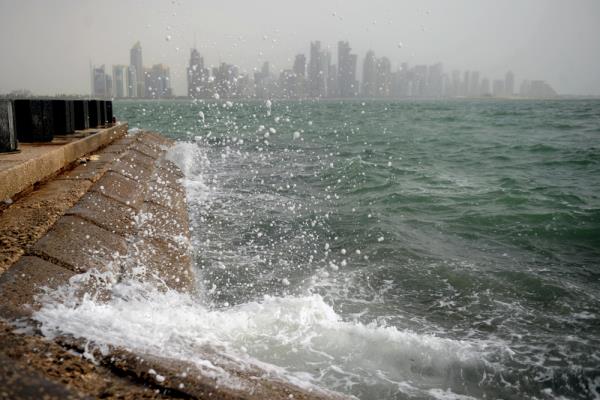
{"x": 48, "y": 45}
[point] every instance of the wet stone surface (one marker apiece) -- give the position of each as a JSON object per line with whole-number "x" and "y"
{"x": 126, "y": 212}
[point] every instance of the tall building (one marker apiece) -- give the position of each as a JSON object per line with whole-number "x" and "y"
{"x": 347, "y": 84}
{"x": 119, "y": 73}
{"x": 131, "y": 82}
{"x": 498, "y": 88}
{"x": 369, "y": 81}
{"x": 400, "y": 82}
{"x": 435, "y": 80}
{"x": 297, "y": 84}
{"x": 455, "y": 84}
{"x": 197, "y": 76}
{"x": 474, "y": 89}
{"x": 300, "y": 65}
{"x": 466, "y": 84}
{"x": 418, "y": 79}
{"x": 226, "y": 80}
{"x": 332, "y": 82}
{"x": 135, "y": 60}
{"x": 509, "y": 83}
{"x": 263, "y": 82}
{"x": 485, "y": 87}
{"x": 384, "y": 77}
{"x": 537, "y": 89}
{"x": 317, "y": 71}
{"x": 101, "y": 82}
{"x": 159, "y": 81}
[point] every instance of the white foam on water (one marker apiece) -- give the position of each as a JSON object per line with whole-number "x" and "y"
{"x": 298, "y": 337}
{"x": 192, "y": 161}
{"x": 303, "y": 336}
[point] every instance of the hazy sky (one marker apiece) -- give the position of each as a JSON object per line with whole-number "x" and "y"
{"x": 47, "y": 45}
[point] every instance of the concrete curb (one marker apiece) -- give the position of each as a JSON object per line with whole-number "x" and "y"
{"x": 36, "y": 163}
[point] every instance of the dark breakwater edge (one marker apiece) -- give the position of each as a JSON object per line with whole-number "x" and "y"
{"x": 435, "y": 249}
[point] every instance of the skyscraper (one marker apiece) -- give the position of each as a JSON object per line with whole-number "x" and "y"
{"x": 347, "y": 85}
{"x": 135, "y": 57}
{"x": 119, "y": 80}
{"x": 101, "y": 82}
{"x": 196, "y": 76}
{"x": 131, "y": 82}
{"x": 485, "y": 87}
{"x": 384, "y": 77}
{"x": 300, "y": 65}
{"x": 159, "y": 80}
{"x": 419, "y": 81}
{"x": 369, "y": 82}
{"x": 455, "y": 84}
{"x": 317, "y": 71}
{"x": 435, "y": 80}
{"x": 509, "y": 83}
{"x": 299, "y": 81}
{"x": 474, "y": 89}
{"x": 498, "y": 88}
{"x": 466, "y": 84}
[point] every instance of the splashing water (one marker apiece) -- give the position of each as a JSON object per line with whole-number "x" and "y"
{"x": 365, "y": 259}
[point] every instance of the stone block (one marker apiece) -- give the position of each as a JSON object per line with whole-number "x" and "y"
{"x": 167, "y": 177}
{"x": 159, "y": 192}
{"x": 153, "y": 152}
{"x": 26, "y": 279}
{"x": 170, "y": 167}
{"x": 106, "y": 213}
{"x": 156, "y": 222}
{"x": 80, "y": 246}
{"x": 133, "y": 165}
{"x": 162, "y": 262}
{"x": 120, "y": 188}
{"x": 8, "y": 135}
{"x": 81, "y": 114}
{"x": 115, "y": 148}
{"x": 155, "y": 138}
{"x": 29, "y": 219}
{"x": 91, "y": 170}
{"x": 34, "y": 120}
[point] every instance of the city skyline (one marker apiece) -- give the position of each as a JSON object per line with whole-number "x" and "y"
{"x": 488, "y": 37}
{"x": 316, "y": 77}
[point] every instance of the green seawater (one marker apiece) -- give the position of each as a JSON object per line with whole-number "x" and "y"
{"x": 472, "y": 221}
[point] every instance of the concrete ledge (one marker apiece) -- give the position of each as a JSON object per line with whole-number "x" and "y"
{"x": 38, "y": 162}
{"x": 120, "y": 188}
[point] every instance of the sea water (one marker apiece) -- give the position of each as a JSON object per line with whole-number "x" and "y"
{"x": 387, "y": 250}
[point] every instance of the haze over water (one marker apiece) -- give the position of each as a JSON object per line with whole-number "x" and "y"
{"x": 388, "y": 250}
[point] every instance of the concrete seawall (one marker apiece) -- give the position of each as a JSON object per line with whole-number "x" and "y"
{"x": 108, "y": 203}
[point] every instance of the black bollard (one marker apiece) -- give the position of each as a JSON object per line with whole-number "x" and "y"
{"x": 94, "y": 113}
{"x": 109, "y": 112}
{"x": 8, "y": 135}
{"x": 63, "y": 117}
{"x": 80, "y": 114}
{"x": 34, "y": 120}
{"x": 102, "y": 112}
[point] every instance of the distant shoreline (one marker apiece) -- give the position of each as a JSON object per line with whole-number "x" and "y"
{"x": 351, "y": 99}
